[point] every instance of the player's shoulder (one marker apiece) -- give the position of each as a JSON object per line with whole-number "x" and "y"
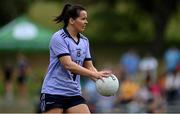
{"x": 59, "y": 35}
{"x": 83, "y": 37}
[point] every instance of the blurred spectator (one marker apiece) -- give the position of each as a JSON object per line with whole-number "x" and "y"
{"x": 105, "y": 104}
{"x": 130, "y": 62}
{"x": 23, "y": 68}
{"x": 127, "y": 93}
{"x": 96, "y": 102}
{"x": 161, "y": 80}
{"x": 148, "y": 65}
{"x": 172, "y": 86}
{"x": 178, "y": 67}
{"x": 143, "y": 97}
{"x": 153, "y": 86}
{"x": 91, "y": 95}
{"x": 172, "y": 59}
{"x": 8, "y": 78}
{"x": 151, "y": 96}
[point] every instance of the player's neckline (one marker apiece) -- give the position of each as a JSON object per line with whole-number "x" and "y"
{"x": 78, "y": 36}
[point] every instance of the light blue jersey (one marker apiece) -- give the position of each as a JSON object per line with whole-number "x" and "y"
{"x": 58, "y": 80}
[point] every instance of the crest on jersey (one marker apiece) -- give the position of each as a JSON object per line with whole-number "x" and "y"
{"x": 78, "y": 52}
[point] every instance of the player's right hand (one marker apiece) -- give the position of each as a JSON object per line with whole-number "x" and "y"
{"x": 101, "y": 74}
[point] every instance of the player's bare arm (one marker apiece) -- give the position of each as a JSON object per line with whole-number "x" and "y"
{"x": 89, "y": 65}
{"x": 75, "y": 68}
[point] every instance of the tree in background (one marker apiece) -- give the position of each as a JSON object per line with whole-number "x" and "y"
{"x": 10, "y": 9}
{"x": 127, "y": 22}
{"x": 161, "y": 12}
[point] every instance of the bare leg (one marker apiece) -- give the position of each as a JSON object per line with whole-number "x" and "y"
{"x": 8, "y": 91}
{"x": 81, "y": 108}
{"x": 22, "y": 89}
{"x": 53, "y": 111}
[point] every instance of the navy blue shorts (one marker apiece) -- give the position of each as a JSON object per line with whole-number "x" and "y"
{"x": 48, "y": 101}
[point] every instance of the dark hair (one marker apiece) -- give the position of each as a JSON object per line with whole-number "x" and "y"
{"x": 69, "y": 11}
